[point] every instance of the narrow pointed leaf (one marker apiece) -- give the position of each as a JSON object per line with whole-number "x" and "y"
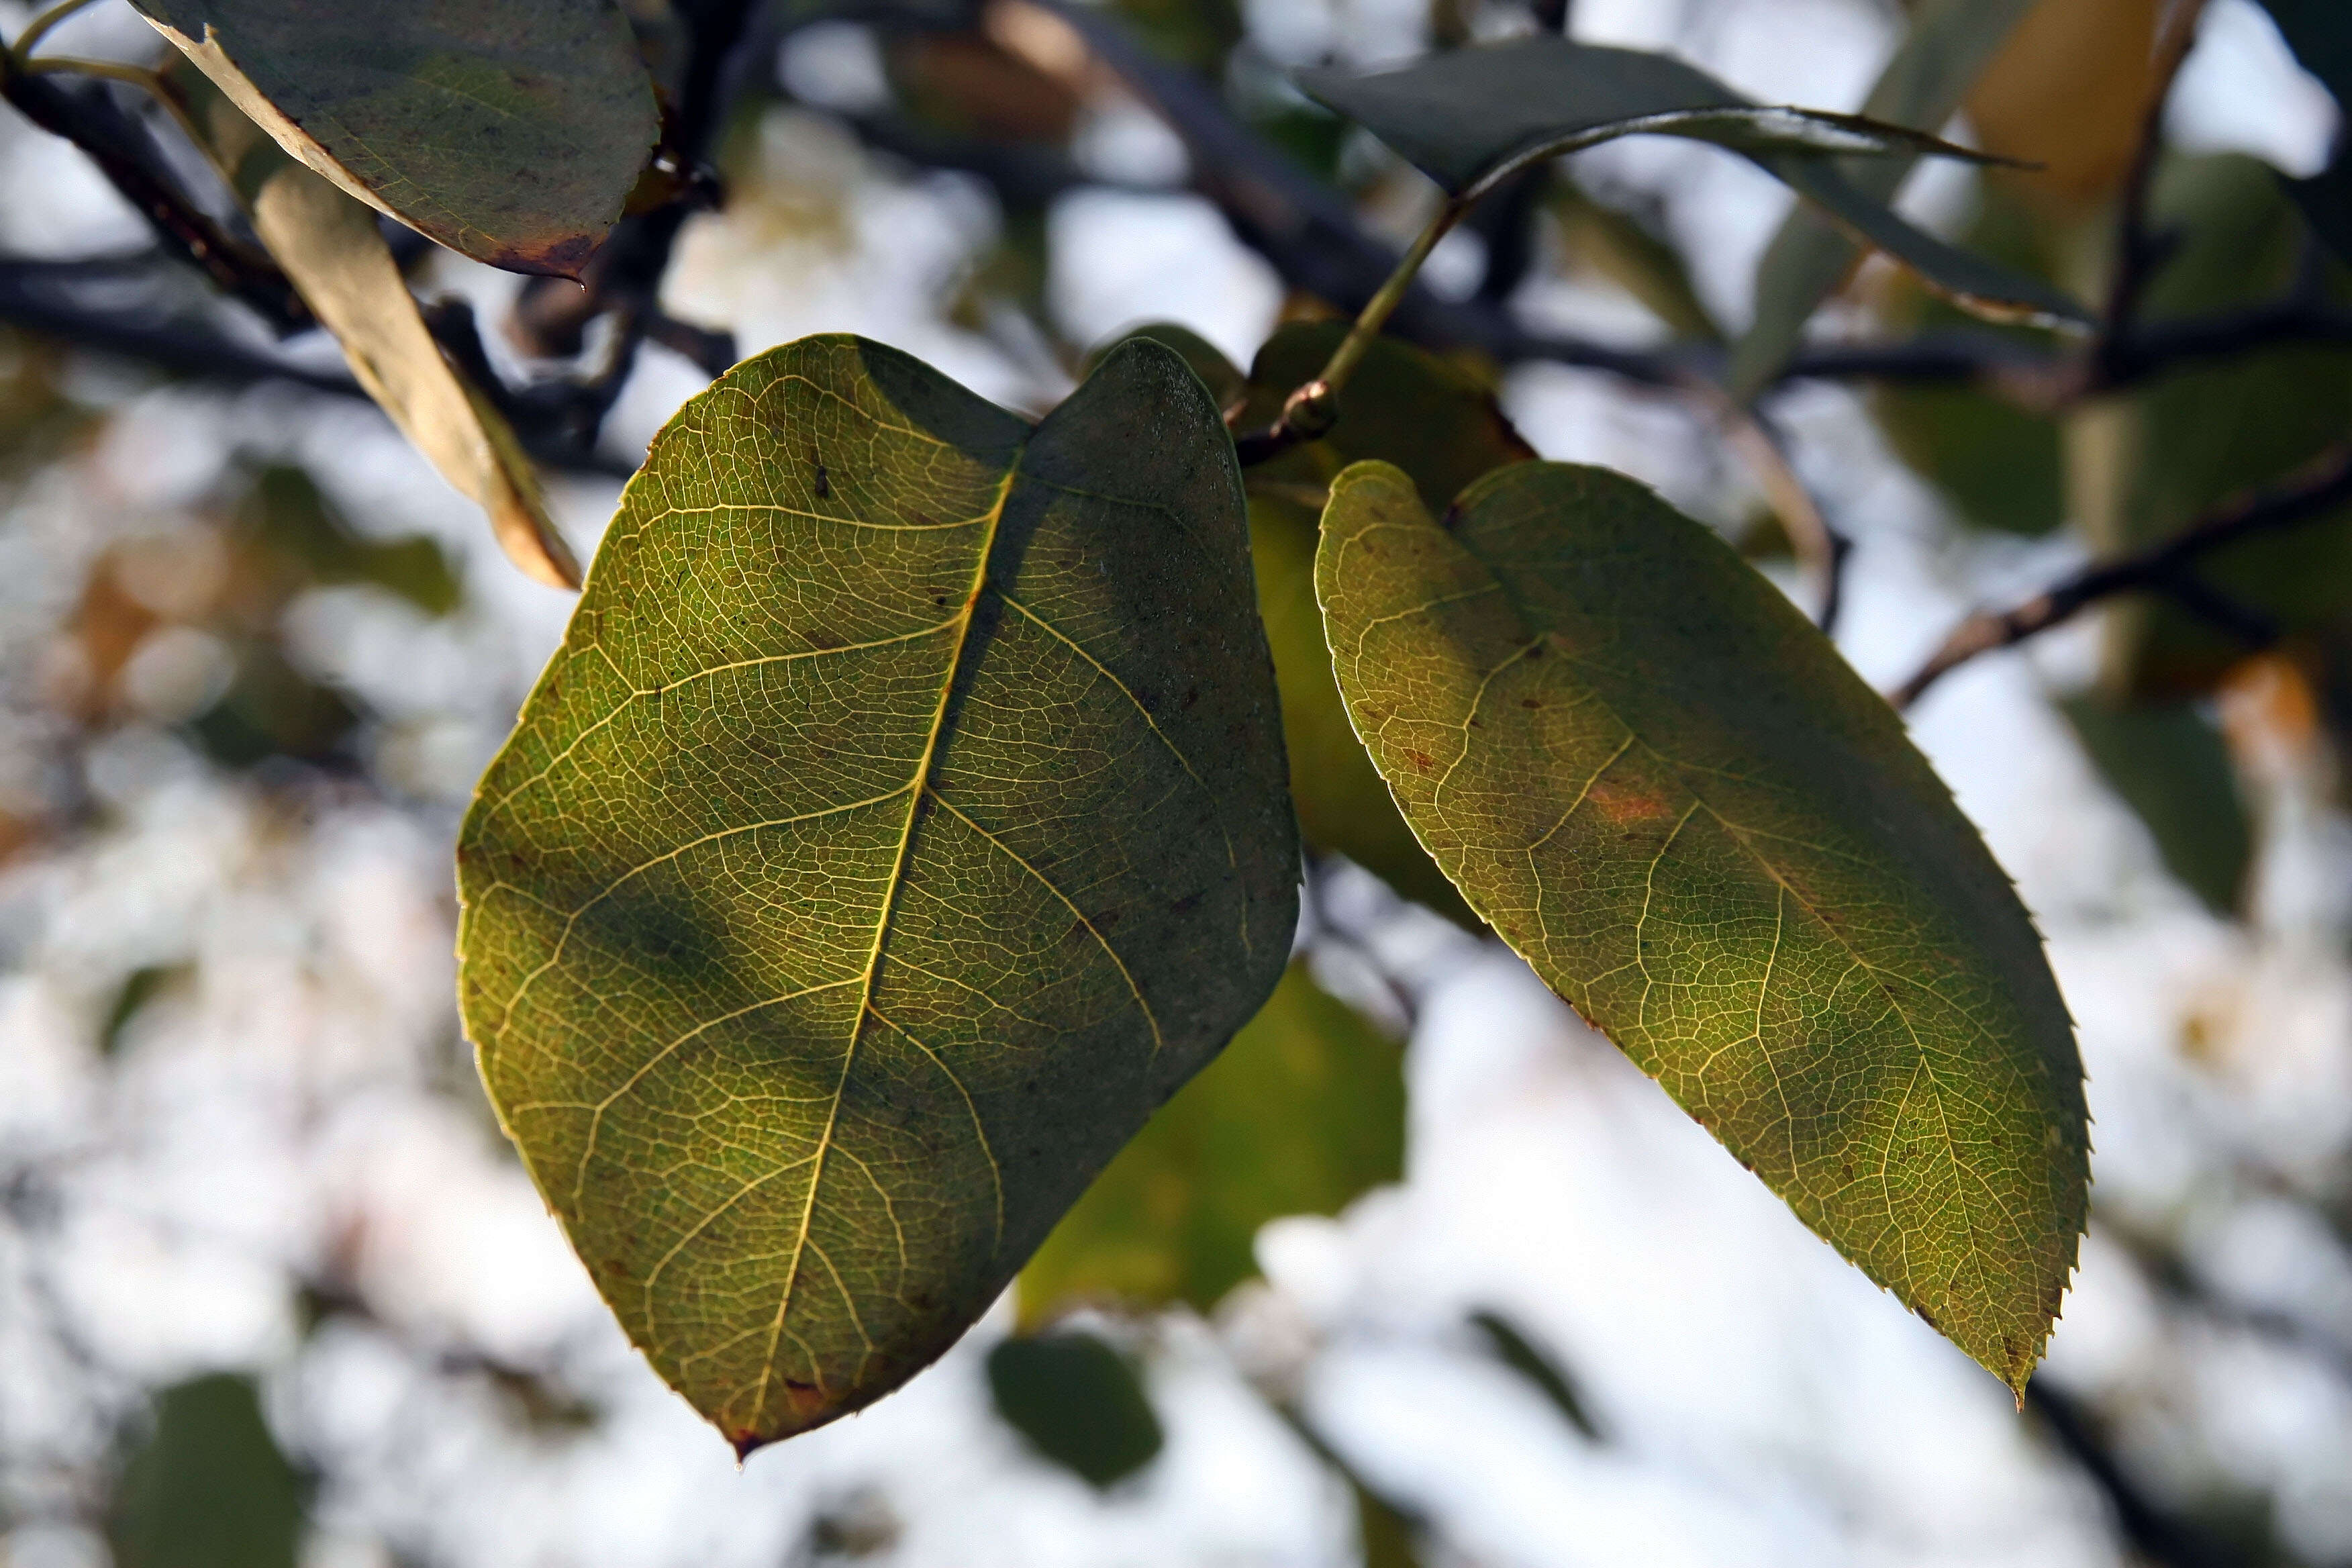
{"x": 509, "y": 129}
{"x": 1466, "y": 118}
{"x": 1976, "y": 283}
{"x": 1469, "y": 117}
{"x": 1302, "y": 1114}
{"x": 900, "y": 822}
{"x": 1948, "y": 45}
{"x": 1664, "y": 789}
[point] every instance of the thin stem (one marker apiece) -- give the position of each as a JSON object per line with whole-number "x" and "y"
{"x": 150, "y": 82}
{"x": 1310, "y": 411}
{"x": 1820, "y": 549}
{"x": 1380, "y": 305}
{"x": 39, "y": 29}
{"x": 2139, "y": 252}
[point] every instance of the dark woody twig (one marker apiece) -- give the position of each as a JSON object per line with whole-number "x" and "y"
{"x": 2318, "y": 489}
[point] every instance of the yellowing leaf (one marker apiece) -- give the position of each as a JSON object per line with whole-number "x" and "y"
{"x": 1665, "y": 790}
{"x": 2068, "y": 93}
{"x": 899, "y": 824}
{"x": 1303, "y": 1112}
{"x": 509, "y": 129}
{"x": 331, "y": 249}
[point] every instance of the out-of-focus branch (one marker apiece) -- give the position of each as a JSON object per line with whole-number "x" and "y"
{"x": 1820, "y": 549}
{"x": 2319, "y": 489}
{"x": 2140, "y": 251}
{"x": 89, "y": 117}
{"x": 2152, "y": 1531}
{"x": 53, "y": 298}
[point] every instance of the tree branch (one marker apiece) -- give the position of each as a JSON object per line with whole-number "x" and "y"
{"x": 2321, "y": 486}
{"x": 89, "y": 117}
{"x": 2151, "y": 1530}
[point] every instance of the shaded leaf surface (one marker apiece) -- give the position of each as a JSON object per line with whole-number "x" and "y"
{"x": 509, "y": 129}
{"x": 1469, "y": 117}
{"x": 1077, "y": 1401}
{"x": 898, "y": 825}
{"x": 1666, "y": 791}
{"x": 2156, "y": 462}
{"x": 2000, "y": 467}
{"x": 1301, "y": 1114}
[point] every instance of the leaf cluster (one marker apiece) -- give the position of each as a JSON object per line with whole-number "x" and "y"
{"x": 890, "y": 890}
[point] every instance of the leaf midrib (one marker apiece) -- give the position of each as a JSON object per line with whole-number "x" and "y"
{"x": 915, "y": 792}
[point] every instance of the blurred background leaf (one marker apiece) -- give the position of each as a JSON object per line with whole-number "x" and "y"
{"x": 1077, "y": 1401}
{"x": 2145, "y": 465}
{"x": 2171, "y": 765}
{"x": 1300, "y": 1114}
{"x": 208, "y": 1488}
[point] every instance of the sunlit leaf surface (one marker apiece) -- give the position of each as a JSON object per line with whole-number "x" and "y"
{"x": 1665, "y": 790}
{"x": 899, "y": 824}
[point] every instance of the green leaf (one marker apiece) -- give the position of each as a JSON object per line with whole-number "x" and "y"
{"x": 900, "y": 822}
{"x": 288, "y": 516}
{"x": 509, "y": 129}
{"x": 2173, "y": 768}
{"x": 2000, "y": 467}
{"x": 1077, "y": 1401}
{"x": 1219, "y": 375}
{"x": 1948, "y": 45}
{"x": 140, "y": 987}
{"x": 209, "y": 1489}
{"x": 1435, "y": 419}
{"x": 1343, "y": 805}
{"x": 1977, "y": 284}
{"x": 1303, "y": 1114}
{"x": 1623, "y": 249}
{"x": 1469, "y": 117}
{"x": 1665, "y": 790}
